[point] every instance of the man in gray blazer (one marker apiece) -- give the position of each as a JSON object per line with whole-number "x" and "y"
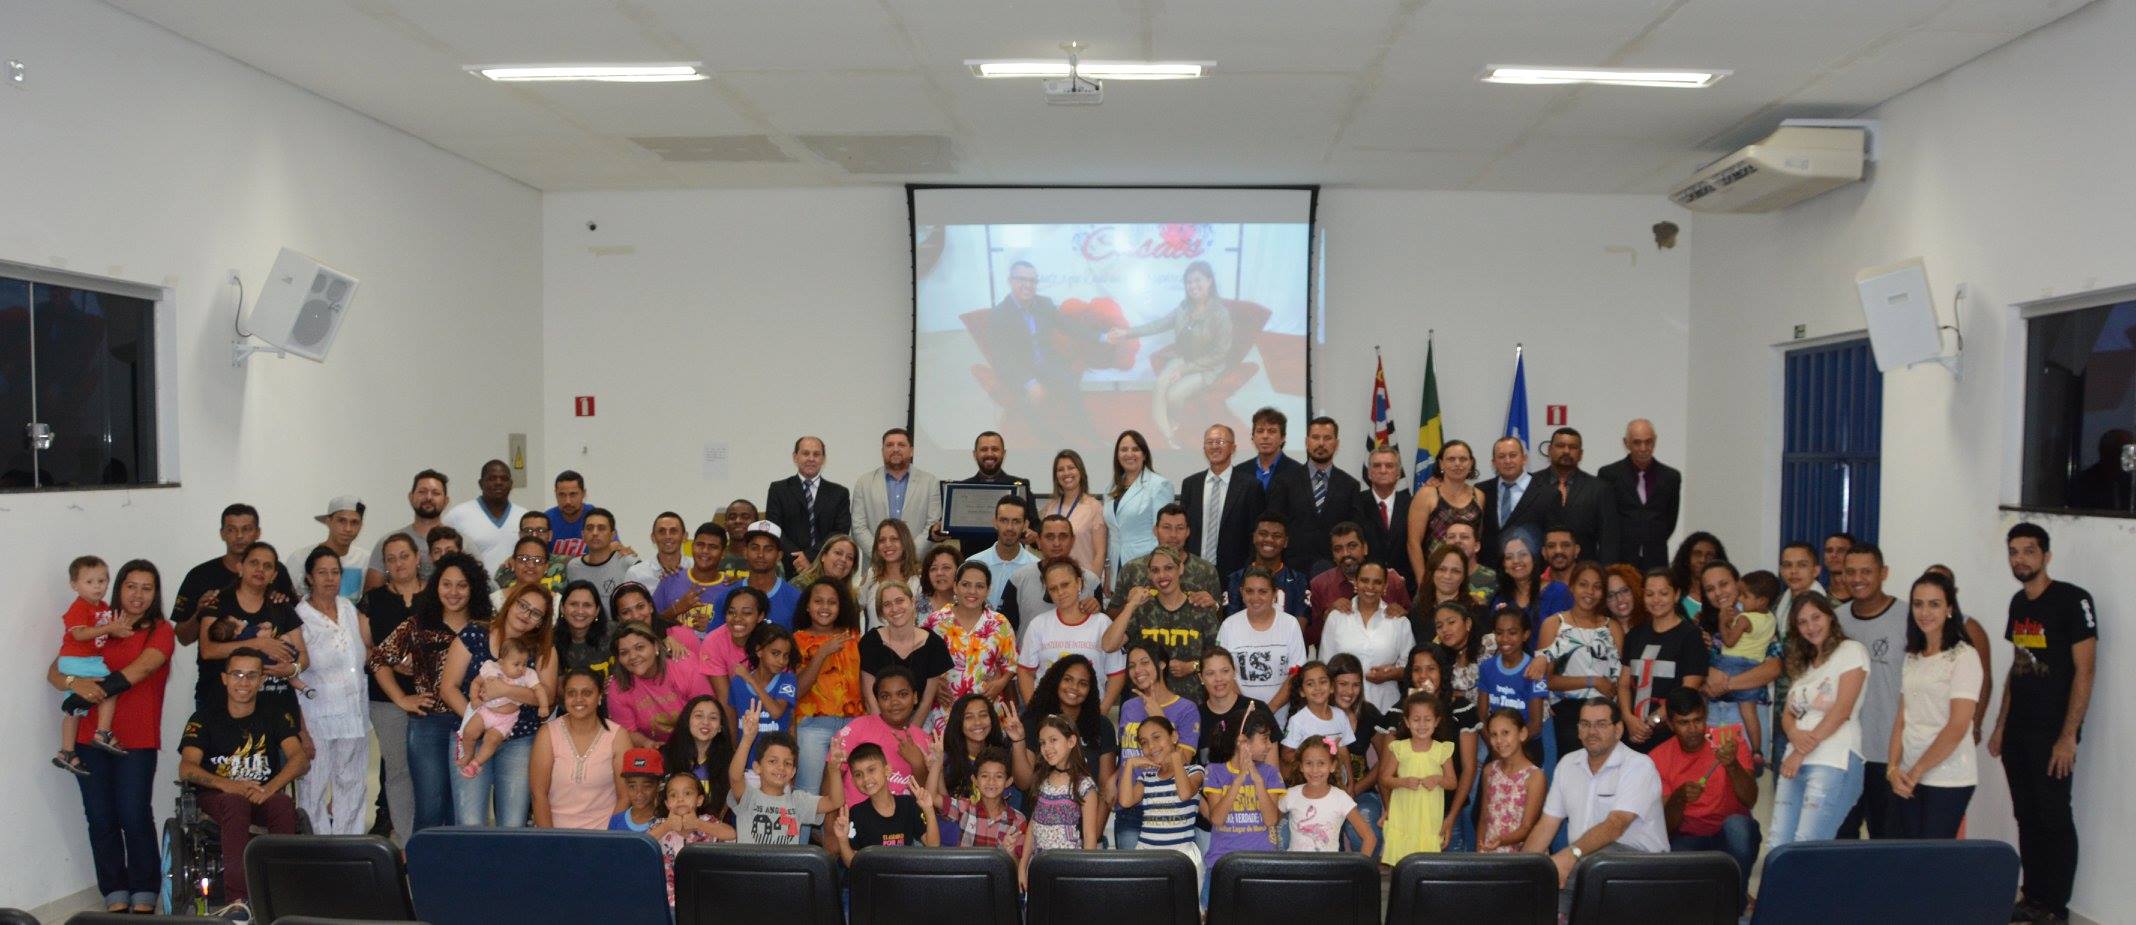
{"x": 896, "y": 490}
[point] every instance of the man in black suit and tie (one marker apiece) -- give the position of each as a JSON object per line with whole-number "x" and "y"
{"x": 1383, "y": 511}
{"x": 1580, "y": 502}
{"x": 1037, "y": 353}
{"x": 1331, "y": 493}
{"x": 1278, "y": 482}
{"x": 807, "y": 507}
{"x": 1513, "y": 498}
{"x": 1648, "y": 495}
{"x": 1219, "y": 506}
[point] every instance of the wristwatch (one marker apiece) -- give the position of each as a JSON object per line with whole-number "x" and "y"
{"x": 1576, "y": 853}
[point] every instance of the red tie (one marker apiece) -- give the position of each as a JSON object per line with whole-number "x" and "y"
{"x": 1386, "y": 519}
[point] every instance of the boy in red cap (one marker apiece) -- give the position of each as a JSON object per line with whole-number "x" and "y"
{"x": 642, "y": 771}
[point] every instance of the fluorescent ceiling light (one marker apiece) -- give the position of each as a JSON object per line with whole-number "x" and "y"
{"x": 1613, "y": 76}
{"x": 1095, "y": 70}
{"x": 613, "y": 73}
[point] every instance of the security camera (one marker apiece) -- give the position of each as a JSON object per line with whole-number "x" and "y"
{"x": 593, "y": 226}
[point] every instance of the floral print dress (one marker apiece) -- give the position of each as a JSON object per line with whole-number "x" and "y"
{"x": 977, "y": 656}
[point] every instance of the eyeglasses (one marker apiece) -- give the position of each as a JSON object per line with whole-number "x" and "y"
{"x": 1596, "y": 725}
{"x": 244, "y": 675}
{"x": 528, "y": 607}
{"x": 531, "y": 560}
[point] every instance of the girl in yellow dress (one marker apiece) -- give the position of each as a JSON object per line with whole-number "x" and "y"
{"x": 1423, "y": 772}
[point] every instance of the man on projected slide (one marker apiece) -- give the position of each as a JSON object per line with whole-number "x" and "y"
{"x": 1039, "y": 353}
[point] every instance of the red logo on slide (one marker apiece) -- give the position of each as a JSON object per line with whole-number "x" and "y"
{"x": 1175, "y": 241}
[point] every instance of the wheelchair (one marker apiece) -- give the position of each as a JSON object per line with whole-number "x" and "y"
{"x": 192, "y": 857}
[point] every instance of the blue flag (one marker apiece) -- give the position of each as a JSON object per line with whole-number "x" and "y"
{"x": 1517, "y": 410}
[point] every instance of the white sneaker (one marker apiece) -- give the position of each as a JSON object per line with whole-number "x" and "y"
{"x": 234, "y": 912}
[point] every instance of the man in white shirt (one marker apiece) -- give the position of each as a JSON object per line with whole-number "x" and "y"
{"x": 1008, "y": 553}
{"x": 1027, "y": 595}
{"x": 1607, "y": 797}
{"x": 343, "y": 520}
{"x": 666, "y": 560}
{"x": 489, "y": 522}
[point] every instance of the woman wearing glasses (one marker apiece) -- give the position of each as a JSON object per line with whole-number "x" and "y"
{"x": 500, "y": 785}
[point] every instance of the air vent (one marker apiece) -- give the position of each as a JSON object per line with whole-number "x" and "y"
{"x": 885, "y": 154}
{"x": 728, "y": 149}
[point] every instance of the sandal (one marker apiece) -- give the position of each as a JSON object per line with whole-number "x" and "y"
{"x": 70, "y": 763}
{"x": 105, "y": 740}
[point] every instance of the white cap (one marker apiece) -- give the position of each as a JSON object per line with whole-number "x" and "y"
{"x": 765, "y": 527}
{"x": 339, "y": 504}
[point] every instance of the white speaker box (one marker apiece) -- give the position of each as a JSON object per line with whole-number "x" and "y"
{"x": 302, "y": 306}
{"x": 1901, "y": 315}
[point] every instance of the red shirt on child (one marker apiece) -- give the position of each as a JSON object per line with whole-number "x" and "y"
{"x": 86, "y": 614}
{"x": 1704, "y": 815}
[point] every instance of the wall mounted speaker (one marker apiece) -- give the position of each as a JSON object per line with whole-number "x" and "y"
{"x": 302, "y": 306}
{"x": 1901, "y": 315}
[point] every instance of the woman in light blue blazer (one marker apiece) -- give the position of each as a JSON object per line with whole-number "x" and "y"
{"x": 1131, "y": 507}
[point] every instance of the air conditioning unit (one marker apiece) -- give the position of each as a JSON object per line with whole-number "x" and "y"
{"x": 1788, "y": 166}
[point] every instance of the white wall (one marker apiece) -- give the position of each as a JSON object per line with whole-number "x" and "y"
{"x": 2008, "y": 174}
{"x": 138, "y": 155}
{"x": 753, "y": 316}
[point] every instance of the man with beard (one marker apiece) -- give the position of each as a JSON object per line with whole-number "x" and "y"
{"x": 2054, "y": 629}
{"x": 1605, "y": 797}
{"x": 427, "y": 498}
{"x": 1331, "y": 495}
{"x": 988, "y": 450}
{"x": 1332, "y": 589}
{"x": 1560, "y": 550}
{"x": 1584, "y": 504}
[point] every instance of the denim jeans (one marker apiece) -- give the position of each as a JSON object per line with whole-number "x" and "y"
{"x": 498, "y": 791}
{"x": 1738, "y": 836}
{"x": 1127, "y": 827}
{"x": 1932, "y": 812}
{"x": 430, "y": 769}
{"x": 1809, "y": 806}
{"x": 814, "y": 735}
{"x": 1370, "y": 807}
{"x": 122, "y": 823}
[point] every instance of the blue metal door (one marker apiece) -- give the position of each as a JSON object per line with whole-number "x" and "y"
{"x": 1831, "y": 454}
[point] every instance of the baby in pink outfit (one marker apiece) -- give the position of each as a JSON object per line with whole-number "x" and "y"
{"x": 488, "y": 723}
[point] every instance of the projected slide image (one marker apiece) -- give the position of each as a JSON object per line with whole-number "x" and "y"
{"x": 1064, "y": 335}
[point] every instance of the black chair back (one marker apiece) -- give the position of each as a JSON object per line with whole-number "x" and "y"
{"x": 1891, "y": 882}
{"x": 121, "y": 918}
{"x": 910, "y": 885}
{"x": 1503, "y": 889}
{"x": 17, "y": 917}
{"x": 1288, "y": 887}
{"x": 335, "y": 876}
{"x": 756, "y": 885}
{"x": 1677, "y": 888}
{"x": 315, "y": 920}
{"x": 478, "y": 875}
{"x": 1151, "y": 887}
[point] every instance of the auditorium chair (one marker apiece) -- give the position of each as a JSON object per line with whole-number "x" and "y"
{"x": 756, "y": 885}
{"x": 1285, "y": 888}
{"x": 477, "y": 875}
{"x": 1502, "y": 889}
{"x": 910, "y": 885}
{"x": 1674, "y": 888}
{"x": 315, "y": 920}
{"x": 19, "y": 917}
{"x": 1891, "y": 882}
{"x": 1151, "y": 887}
{"x": 122, "y": 918}
{"x": 336, "y": 876}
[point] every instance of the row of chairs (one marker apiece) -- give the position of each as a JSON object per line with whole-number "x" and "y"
{"x": 464, "y": 876}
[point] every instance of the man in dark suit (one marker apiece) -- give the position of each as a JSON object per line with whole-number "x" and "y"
{"x": 807, "y": 507}
{"x": 1277, "y": 482}
{"x": 1648, "y": 496}
{"x": 1037, "y": 353}
{"x": 1580, "y": 502}
{"x": 1383, "y": 512}
{"x": 1227, "y": 538}
{"x": 1512, "y": 498}
{"x": 1331, "y": 494}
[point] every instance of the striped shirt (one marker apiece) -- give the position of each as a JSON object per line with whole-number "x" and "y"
{"x": 1167, "y": 817}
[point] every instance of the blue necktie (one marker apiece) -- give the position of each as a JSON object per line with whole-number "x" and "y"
{"x": 1320, "y": 490}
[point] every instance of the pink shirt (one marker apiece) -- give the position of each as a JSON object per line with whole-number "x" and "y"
{"x": 715, "y": 654}
{"x": 652, "y": 705}
{"x": 872, "y": 728}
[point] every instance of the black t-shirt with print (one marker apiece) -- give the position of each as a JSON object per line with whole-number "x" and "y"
{"x": 2044, "y": 633}
{"x": 904, "y": 825}
{"x": 1220, "y": 731}
{"x": 247, "y": 748}
{"x": 1656, "y": 664}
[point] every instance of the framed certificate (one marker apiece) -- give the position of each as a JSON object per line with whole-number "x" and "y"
{"x": 969, "y": 506}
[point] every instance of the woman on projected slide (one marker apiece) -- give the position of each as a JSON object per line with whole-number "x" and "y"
{"x": 1202, "y": 338}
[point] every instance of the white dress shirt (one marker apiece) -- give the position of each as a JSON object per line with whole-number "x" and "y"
{"x": 1628, "y": 781}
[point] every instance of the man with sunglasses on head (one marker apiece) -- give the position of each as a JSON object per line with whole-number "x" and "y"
{"x": 243, "y": 755}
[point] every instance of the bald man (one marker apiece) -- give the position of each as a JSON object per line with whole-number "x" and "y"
{"x": 1648, "y": 494}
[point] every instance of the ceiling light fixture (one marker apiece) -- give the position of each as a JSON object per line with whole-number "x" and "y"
{"x": 1094, "y": 70}
{"x": 610, "y": 73}
{"x": 1611, "y": 76}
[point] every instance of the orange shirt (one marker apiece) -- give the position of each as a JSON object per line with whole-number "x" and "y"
{"x": 837, "y": 688}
